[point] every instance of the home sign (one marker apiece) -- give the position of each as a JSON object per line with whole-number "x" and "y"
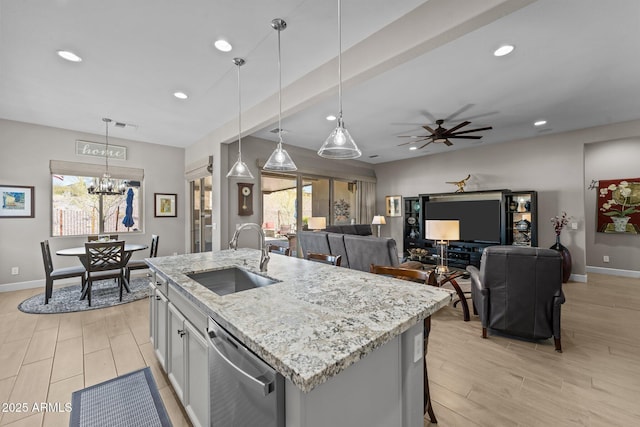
{"x": 96, "y": 149}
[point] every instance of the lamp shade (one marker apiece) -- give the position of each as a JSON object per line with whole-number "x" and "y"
{"x": 442, "y": 229}
{"x": 378, "y": 220}
{"x": 317, "y": 223}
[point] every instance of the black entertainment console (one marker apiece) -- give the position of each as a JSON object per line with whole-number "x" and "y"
{"x": 487, "y": 218}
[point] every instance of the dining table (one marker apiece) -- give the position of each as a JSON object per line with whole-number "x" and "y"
{"x": 81, "y": 253}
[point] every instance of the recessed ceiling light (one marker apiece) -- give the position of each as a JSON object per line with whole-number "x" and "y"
{"x": 222, "y": 45}
{"x": 413, "y": 148}
{"x": 540, "y": 123}
{"x": 331, "y": 117}
{"x": 504, "y": 50}
{"x": 69, "y": 56}
{"x": 180, "y": 95}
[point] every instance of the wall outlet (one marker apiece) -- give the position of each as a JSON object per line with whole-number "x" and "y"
{"x": 15, "y": 271}
{"x": 214, "y": 225}
{"x": 574, "y": 225}
{"x": 175, "y": 253}
{"x": 418, "y": 352}
{"x": 605, "y": 258}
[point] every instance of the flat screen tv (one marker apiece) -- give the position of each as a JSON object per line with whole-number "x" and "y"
{"x": 479, "y": 219}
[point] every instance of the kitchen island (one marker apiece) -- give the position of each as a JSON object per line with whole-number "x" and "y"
{"x": 348, "y": 343}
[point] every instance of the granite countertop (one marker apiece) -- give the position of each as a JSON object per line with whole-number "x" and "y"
{"x": 316, "y": 321}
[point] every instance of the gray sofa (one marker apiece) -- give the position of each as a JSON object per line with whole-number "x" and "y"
{"x": 518, "y": 291}
{"x": 358, "y": 252}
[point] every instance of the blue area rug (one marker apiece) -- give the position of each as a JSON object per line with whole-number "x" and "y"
{"x": 129, "y": 400}
{"x": 104, "y": 293}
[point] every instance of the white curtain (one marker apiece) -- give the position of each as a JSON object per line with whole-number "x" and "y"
{"x": 366, "y": 202}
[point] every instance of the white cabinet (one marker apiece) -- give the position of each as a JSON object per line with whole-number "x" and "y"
{"x": 188, "y": 366}
{"x": 158, "y": 304}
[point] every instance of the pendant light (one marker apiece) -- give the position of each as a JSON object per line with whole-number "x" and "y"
{"x": 279, "y": 160}
{"x": 239, "y": 168}
{"x": 339, "y": 144}
{"x": 106, "y": 185}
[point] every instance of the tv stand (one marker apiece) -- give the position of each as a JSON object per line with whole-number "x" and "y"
{"x": 517, "y": 216}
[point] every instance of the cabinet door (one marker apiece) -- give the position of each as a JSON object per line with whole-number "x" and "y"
{"x": 197, "y": 387}
{"x": 176, "y": 350}
{"x": 152, "y": 314}
{"x": 160, "y": 342}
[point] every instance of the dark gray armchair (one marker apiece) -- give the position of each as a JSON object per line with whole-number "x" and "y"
{"x": 518, "y": 291}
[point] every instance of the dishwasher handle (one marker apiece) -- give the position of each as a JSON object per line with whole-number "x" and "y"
{"x": 263, "y": 386}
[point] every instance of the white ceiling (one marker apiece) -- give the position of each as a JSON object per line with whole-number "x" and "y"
{"x": 576, "y": 64}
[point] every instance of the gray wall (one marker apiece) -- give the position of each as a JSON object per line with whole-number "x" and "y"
{"x": 26, "y": 152}
{"x": 610, "y": 160}
{"x": 553, "y": 165}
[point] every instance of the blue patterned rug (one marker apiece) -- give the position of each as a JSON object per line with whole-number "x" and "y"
{"x": 104, "y": 293}
{"x": 129, "y": 400}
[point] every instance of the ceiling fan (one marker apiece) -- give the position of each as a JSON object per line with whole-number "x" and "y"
{"x": 443, "y": 135}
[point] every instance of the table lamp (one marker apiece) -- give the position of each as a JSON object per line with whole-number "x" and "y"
{"x": 442, "y": 231}
{"x": 378, "y": 220}
{"x": 317, "y": 223}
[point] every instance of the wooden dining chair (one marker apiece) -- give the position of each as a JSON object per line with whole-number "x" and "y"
{"x": 139, "y": 264}
{"x": 95, "y": 237}
{"x": 58, "y": 273}
{"x": 324, "y": 258}
{"x": 280, "y": 250}
{"x": 422, "y": 277}
{"x": 105, "y": 260}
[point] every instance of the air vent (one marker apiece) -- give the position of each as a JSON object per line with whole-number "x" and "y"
{"x": 123, "y": 125}
{"x": 275, "y": 130}
{"x": 373, "y": 156}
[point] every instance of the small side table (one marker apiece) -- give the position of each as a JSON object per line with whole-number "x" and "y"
{"x": 440, "y": 280}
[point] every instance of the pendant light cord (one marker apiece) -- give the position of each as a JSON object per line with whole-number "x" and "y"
{"x": 239, "y": 64}
{"x": 339, "y": 62}
{"x": 279, "y": 92}
{"x": 106, "y": 150}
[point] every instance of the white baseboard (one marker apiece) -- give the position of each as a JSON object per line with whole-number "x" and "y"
{"x": 614, "y": 272}
{"x": 18, "y": 286}
{"x": 582, "y": 278}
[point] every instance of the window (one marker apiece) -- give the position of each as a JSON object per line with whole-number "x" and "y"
{"x": 75, "y": 212}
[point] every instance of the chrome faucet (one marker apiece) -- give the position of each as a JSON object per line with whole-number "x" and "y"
{"x": 264, "y": 249}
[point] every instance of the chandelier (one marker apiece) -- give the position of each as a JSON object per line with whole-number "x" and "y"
{"x": 106, "y": 185}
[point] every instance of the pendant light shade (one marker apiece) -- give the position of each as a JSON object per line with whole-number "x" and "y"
{"x": 239, "y": 168}
{"x": 339, "y": 144}
{"x": 279, "y": 160}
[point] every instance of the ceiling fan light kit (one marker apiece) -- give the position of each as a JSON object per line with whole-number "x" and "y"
{"x": 443, "y": 135}
{"x": 339, "y": 145}
{"x": 239, "y": 168}
{"x": 279, "y": 160}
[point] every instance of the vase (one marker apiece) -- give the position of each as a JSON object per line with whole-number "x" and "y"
{"x": 620, "y": 223}
{"x": 566, "y": 259}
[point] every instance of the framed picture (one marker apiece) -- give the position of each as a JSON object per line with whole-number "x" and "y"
{"x": 619, "y": 206}
{"x": 17, "y": 201}
{"x": 165, "y": 204}
{"x": 394, "y": 204}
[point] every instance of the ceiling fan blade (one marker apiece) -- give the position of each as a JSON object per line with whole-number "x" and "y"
{"x": 474, "y": 130}
{"x": 421, "y": 147}
{"x": 428, "y": 129}
{"x": 465, "y": 136}
{"x": 447, "y": 143}
{"x": 453, "y": 129}
{"x": 414, "y": 141}
{"x": 460, "y": 111}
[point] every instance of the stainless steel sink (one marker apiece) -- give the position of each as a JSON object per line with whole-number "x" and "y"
{"x": 230, "y": 280}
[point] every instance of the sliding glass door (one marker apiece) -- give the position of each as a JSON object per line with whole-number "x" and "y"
{"x": 201, "y": 203}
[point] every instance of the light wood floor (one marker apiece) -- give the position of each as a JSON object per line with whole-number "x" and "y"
{"x": 44, "y": 358}
{"x": 474, "y": 382}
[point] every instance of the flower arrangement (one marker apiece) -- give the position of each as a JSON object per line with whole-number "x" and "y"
{"x": 620, "y": 196}
{"x": 559, "y": 222}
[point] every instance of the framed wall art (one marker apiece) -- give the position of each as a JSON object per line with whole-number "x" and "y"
{"x": 17, "y": 201}
{"x": 394, "y": 205}
{"x": 164, "y": 205}
{"x": 619, "y": 206}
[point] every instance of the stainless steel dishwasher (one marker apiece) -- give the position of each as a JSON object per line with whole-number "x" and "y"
{"x": 245, "y": 391}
